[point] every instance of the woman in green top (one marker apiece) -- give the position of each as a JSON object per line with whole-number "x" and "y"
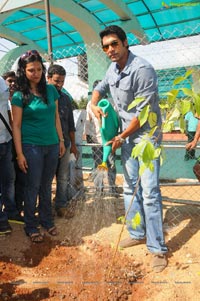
{"x": 38, "y": 141}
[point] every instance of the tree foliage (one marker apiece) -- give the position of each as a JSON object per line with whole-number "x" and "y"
{"x": 173, "y": 109}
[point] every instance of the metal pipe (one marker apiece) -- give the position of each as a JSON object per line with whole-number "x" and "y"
{"x": 48, "y": 27}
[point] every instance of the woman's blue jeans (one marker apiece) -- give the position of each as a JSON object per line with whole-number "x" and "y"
{"x": 42, "y": 163}
{"x": 147, "y": 201}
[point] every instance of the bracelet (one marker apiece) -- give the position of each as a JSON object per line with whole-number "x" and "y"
{"x": 62, "y": 140}
{"x": 120, "y": 139}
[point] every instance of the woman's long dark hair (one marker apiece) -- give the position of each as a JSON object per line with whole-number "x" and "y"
{"x": 23, "y": 84}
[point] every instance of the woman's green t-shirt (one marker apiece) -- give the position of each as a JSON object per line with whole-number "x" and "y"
{"x": 38, "y": 118}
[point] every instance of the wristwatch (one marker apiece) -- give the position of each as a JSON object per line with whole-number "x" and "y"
{"x": 120, "y": 139}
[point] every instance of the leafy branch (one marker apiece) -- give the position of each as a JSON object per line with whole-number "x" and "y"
{"x": 174, "y": 107}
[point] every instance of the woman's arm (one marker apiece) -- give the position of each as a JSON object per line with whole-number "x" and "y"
{"x": 17, "y": 121}
{"x": 59, "y": 131}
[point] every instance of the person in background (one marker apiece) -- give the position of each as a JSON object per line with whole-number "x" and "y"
{"x": 93, "y": 135}
{"x": 76, "y": 166}
{"x": 38, "y": 141}
{"x": 56, "y": 76}
{"x": 191, "y": 145}
{"x": 10, "y": 79}
{"x": 129, "y": 77}
{"x": 191, "y": 126}
{"x": 5, "y": 227}
{"x": 8, "y": 210}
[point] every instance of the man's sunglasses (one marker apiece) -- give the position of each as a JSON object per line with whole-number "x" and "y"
{"x": 29, "y": 53}
{"x": 113, "y": 44}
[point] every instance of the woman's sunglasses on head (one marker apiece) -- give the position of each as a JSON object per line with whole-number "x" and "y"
{"x": 29, "y": 53}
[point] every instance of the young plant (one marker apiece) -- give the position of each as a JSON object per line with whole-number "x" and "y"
{"x": 178, "y": 101}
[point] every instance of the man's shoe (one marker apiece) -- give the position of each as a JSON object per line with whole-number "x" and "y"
{"x": 130, "y": 242}
{"x": 5, "y": 228}
{"x": 159, "y": 262}
{"x": 17, "y": 219}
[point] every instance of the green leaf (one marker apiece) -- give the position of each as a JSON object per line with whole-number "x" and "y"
{"x": 148, "y": 152}
{"x": 152, "y": 119}
{"x": 188, "y": 73}
{"x": 135, "y": 102}
{"x": 138, "y": 149}
{"x": 187, "y": 91}
{"x": 143, "y": 167}
{"x": 185, "y": 106}
{"x": 121, "y": 219}
{"x": 174, "y": 115}
{"x": 157, "y": 152}
{"x": 152, "y": 131}
{"x": 162, "y": 155}
{"x": 197, "y": 104}
{"x": 172, "y": 92}
{"x": 161, "y": 160}
{"x": 178, "y": 80}
{"x": 136, "y": 220}
{"x": 182, "y": 124}
{"x": 172, "y": 96}
{"x": 151, "y": 166}
{"x": 168, "y": 126}
{"x": 143, "y": 115}
{"x": 163, "y": 106}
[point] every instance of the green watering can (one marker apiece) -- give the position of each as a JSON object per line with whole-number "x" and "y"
{"x": 108, "y": 129}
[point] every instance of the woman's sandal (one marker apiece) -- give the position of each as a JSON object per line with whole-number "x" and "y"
{"x": 52, "y": 231}
{"x": 36, "y": 237}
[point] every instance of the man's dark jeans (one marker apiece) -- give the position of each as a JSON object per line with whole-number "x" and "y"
{"x": 7, "y": 180}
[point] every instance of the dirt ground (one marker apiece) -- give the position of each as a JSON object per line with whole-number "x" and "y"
{"x": 82, "y": 262}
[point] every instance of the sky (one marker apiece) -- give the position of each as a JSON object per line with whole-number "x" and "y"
{"x": 5, "y": 46}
